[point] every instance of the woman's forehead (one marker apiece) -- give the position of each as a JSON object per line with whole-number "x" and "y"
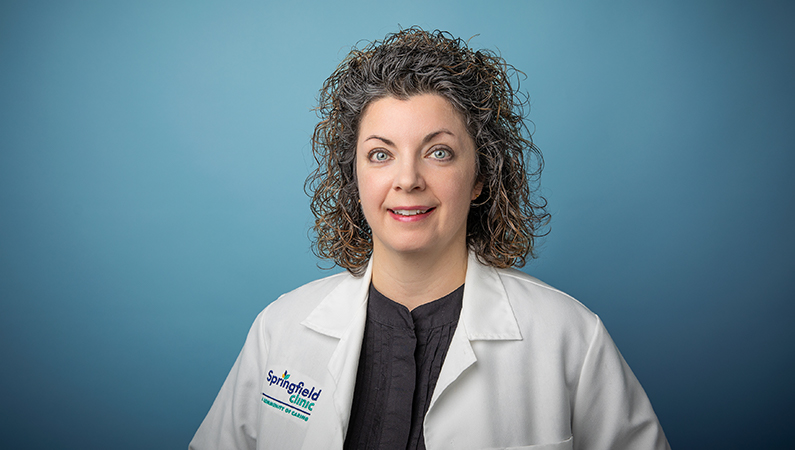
{"x": 419, "y": 114}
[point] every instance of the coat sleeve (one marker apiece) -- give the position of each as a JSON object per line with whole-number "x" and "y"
{"x": 611, "y": 410}
{"x": 232, "y": 420}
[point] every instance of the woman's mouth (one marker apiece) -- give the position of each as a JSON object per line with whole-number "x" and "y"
{"x": 410, "y": 214}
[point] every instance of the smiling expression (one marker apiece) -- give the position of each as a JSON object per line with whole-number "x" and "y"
{"x": 415, "y": 168}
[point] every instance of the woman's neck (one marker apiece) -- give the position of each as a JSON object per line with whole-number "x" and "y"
{"x": 415, "y": 279}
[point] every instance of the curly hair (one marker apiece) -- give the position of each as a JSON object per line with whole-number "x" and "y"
{"x": 505, "y": 220}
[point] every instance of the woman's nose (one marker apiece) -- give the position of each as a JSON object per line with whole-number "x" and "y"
{"x": 408, "y": 177}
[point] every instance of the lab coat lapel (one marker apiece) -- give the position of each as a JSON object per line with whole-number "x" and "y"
{"x": 486, "y": 314}
{"x": 342, "y": 314}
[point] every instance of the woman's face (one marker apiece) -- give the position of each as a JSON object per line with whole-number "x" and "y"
{"x": 415, "y": 167}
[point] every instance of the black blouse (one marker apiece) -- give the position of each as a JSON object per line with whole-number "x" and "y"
{"x": 402, "y": 356}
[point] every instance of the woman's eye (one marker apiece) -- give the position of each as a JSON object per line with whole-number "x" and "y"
{"x": 378, "y": 156}
{"x": 440, "y": 153}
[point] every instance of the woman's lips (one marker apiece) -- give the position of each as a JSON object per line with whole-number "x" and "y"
{"x": 410, "y": 214}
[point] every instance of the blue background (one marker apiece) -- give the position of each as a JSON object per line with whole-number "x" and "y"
{"x": 152, "y": 158}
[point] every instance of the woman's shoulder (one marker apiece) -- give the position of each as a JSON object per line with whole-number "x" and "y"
{"x": 303, "y": 299}
{"x": 535, "y": 301}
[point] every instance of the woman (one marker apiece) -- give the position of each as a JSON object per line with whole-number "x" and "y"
{"x": 430, "y": 339}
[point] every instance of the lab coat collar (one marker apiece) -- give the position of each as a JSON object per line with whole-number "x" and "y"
{"x": 336, "y": 312}
{"x": 486, "y": 312}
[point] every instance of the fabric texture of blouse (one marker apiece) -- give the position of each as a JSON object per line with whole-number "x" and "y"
{"x": 401, "y": 358}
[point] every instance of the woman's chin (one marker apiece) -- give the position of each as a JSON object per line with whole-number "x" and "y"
{"x": 405, "y": 247}
{"x": 413, "y": 248}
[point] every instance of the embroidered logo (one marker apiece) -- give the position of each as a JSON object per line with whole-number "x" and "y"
{"x": 296, "y": 399}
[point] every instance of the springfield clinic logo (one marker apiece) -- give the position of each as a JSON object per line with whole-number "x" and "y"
{"x": 300, "y": 397}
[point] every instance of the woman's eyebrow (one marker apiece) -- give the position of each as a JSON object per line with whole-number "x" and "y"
{"x": 383, "y": 139}
{"x": 432, "y": 135}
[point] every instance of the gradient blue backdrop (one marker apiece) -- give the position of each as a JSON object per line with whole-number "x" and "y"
{"x": 152, "y": 157}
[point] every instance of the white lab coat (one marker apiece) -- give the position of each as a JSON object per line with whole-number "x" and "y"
{"x": 528, "y": 368}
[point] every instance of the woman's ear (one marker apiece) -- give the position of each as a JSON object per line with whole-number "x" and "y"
{"x": 477, "y": 189}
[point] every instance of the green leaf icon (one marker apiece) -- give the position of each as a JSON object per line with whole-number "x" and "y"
{"x": 286, "y": 375}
